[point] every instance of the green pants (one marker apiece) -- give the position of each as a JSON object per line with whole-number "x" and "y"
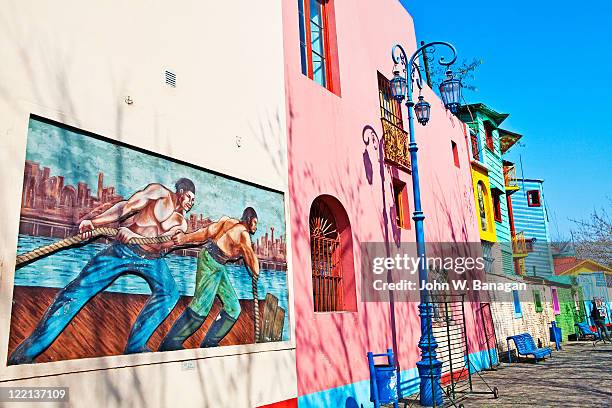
{"x": 211, "y": 281}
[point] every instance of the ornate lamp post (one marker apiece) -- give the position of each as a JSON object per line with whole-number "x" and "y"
{"x": 401, "y": 88}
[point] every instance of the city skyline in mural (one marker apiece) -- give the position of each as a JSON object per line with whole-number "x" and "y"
{"x": 52, "y": 208}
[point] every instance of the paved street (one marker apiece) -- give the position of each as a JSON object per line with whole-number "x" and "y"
{"x": 578, "y": 376}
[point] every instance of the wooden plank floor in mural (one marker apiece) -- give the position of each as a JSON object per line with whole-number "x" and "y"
{"x": 103, "y": 325}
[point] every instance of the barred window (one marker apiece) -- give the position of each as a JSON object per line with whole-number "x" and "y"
{"x": 325, "y": 257}
{"x": 390, "y": 108}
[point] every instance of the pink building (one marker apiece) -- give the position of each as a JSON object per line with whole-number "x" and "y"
{"x": 344, "y": 191}
{"x": 311, "y": 129}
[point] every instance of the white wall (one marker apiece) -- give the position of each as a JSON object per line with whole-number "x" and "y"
{"x": 75, "y": 62}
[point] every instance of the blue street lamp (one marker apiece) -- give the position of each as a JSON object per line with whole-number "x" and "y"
{"x": 450, "y": 89}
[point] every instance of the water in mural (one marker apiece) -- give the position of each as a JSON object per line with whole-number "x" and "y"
{"x": 182, "y": 246}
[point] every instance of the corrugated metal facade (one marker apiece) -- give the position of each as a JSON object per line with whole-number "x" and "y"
{"x": 533, "y": 221}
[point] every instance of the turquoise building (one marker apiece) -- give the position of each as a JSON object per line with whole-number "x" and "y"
{"x": 488, "y": 143}
{"x": 531, "y": 218}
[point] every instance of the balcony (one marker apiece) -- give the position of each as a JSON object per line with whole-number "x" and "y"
{"x": 510, "y": 179}
{"x": 519, "y": 245}
{"x": 396, "y": 144}
{"x": 519, "y": 266}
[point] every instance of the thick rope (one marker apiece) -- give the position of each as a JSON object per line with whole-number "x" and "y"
{"x": 97, "y": 232}
{"x": 111, "y": 232}
{"x": 256, "y": 310}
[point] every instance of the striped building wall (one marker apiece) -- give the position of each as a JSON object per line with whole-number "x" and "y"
{"x": 533, "y": 221}
{"x": 494, "y": 163}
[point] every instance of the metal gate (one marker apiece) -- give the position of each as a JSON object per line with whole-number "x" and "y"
{"x": 449, "y": 331}
{"x": 490, "y": 338}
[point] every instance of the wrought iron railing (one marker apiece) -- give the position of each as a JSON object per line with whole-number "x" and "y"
{"x": 396, "y": 144}
{"x": 510, "y": 176}
{"x": 519, "y": 246}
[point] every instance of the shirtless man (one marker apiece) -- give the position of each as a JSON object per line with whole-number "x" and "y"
{"x": 151, "y": 212}
{"x": 223, "y": 242}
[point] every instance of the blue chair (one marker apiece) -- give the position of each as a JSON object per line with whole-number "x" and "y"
{"x": 585, "y": 331}
{"x": 525, "y": 346}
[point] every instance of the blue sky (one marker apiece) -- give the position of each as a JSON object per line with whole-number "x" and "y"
{"x": 549, "y": 65}
{"x": 80, "y": 158}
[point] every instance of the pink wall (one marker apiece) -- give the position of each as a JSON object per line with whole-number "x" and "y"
{"x": 327, "y": 155}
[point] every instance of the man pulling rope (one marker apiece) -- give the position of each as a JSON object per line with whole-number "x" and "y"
{"x": 223, "y": 242}
{"x": 152, "y": 221}
{"x": 149, "y": 218}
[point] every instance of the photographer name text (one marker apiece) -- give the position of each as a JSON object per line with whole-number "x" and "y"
{"x": 457, "y": 285}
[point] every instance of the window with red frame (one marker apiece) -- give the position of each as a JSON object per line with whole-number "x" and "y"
{"x": 475, "y": 145}
{"x": 497, "y": 207}
{"x": 316, "y": 40}
{"x": 533, "y": 198}
{"x": 455, "y": 154}
{"x": 402, "y": 212}
{"x": 488, "y": 127}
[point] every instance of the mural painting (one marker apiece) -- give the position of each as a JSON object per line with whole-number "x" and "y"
{"x": 161, "y": 256}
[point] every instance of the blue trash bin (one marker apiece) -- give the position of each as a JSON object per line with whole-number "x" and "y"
{"x": 556, "y": 335}
{"x": 386, "y": 383}
{"x": 383, "y": 380}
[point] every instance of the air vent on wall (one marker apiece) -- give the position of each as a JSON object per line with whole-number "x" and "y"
{"x": 171, "y": 78}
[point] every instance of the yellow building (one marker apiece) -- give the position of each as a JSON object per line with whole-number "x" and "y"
{"x": 484, "y": 203}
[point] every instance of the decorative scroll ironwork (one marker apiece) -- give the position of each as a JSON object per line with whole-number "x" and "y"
{"x": 398, "y": 54}
{"x": 396, "y": 144}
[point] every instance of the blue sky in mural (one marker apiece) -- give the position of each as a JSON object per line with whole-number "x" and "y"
{"x": 80, "y": 158}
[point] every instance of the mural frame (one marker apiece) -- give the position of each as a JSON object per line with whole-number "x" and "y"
{"x": 16, "y": 144}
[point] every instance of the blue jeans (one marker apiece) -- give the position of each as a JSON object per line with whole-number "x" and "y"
{"x": 101, "y": 271}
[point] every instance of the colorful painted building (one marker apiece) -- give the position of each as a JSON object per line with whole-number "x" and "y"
{"x": 531, "y": 218}
{"x": 486, "y": 153}
{"x": 594, "y": 281}
{"x": 349, "y": 169}
{"x": 95, "y": 118}
{"x": 502, "y": 230}
{"x": 321, "y": 155}
{"x": 566, "y": 301}
{"x": 492, "y": 185}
